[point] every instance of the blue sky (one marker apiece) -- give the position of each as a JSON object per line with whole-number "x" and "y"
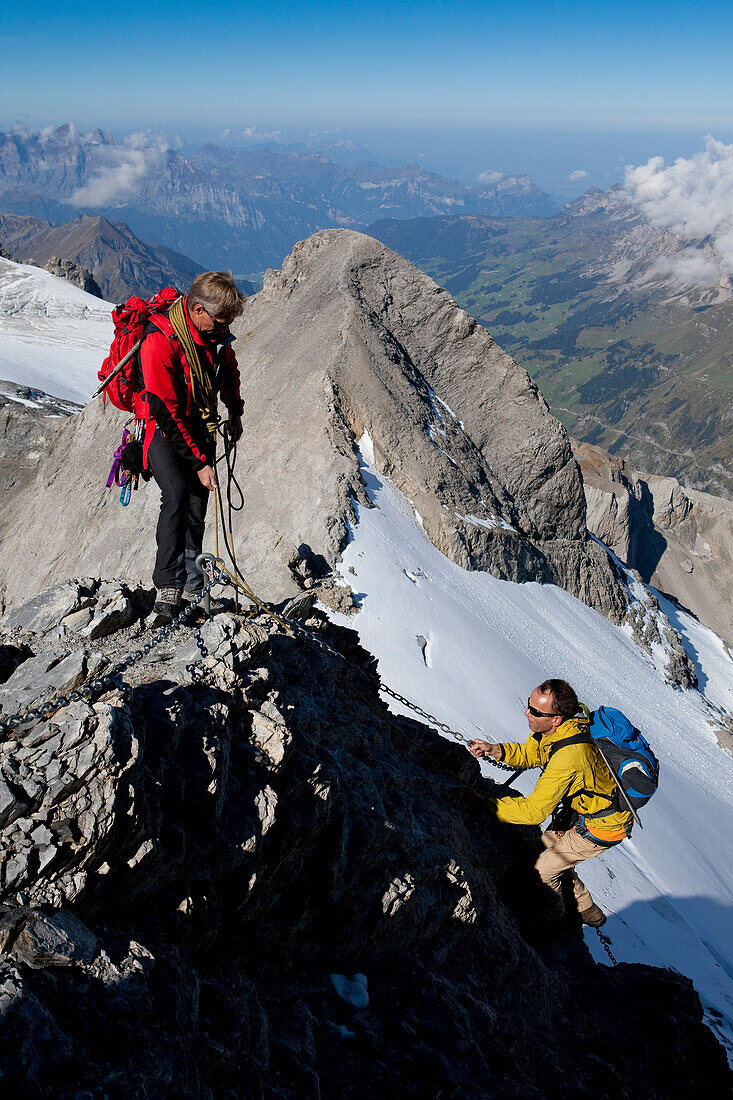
{"x": 390, "y": 72}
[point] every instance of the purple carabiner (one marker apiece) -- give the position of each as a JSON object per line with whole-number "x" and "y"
{"x": 114, "y": 473}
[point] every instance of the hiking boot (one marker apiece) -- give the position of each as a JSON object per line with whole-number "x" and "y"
{"x": 594, "y": 916}
{"x": 167, "y": 605}
{"x": 215, "y": 606}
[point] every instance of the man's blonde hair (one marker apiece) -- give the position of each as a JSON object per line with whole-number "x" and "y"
{"x": 219, "y": 295}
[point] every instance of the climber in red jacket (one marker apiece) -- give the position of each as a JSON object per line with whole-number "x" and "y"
{"x": 187, "y": 363}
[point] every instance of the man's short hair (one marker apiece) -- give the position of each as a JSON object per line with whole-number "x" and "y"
{"x": 219, "y": 295}
{"x": 564, "y": 699}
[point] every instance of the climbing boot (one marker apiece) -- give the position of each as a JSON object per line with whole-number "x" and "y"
{"x": 594, "y": 916}
{"x": 167, "y": 605}
{"x": 215, "y": 606}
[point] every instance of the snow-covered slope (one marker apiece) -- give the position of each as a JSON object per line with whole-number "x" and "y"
{"x": 469, "y": 648}
{"x": 53, "y": 336}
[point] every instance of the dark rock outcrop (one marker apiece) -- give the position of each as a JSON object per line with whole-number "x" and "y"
{"x": 79, "y": 276}
{"x": 235, "y": 875}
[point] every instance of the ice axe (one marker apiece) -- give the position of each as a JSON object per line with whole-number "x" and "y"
{"x": 113, "y": 373}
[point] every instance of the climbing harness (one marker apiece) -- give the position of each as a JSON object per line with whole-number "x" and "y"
{"x": 118, "y": 475}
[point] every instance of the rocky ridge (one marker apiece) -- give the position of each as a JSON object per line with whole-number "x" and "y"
{"x": 347, "y": 338}
{"x": 230, "y": 876}
{"x": 79, "y": 276}
{"x": 678, "y": 539}
{"x": 112, "y": 256}
{"x": 629, "y": 357}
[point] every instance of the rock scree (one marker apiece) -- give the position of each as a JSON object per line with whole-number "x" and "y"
{"x": 348, "y": 337}
{"x": 235, "y": 875}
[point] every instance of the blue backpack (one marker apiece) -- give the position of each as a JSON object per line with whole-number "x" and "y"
{"x": 628, "y": 757}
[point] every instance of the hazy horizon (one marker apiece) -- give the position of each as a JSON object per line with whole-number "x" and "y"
{"x": 568, "y": 94}
{"x": 564, "y": 163}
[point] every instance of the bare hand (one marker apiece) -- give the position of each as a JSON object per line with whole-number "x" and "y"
{"x": 207, "y": 477}
{"x": 235, "y": 427}
{"x": 480, "y": 748}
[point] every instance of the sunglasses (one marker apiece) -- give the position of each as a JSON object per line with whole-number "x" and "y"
{"x": 215, "y": 320}
{"x": 540, "y": 713}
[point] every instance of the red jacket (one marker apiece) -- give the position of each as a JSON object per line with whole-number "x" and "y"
{"x": 167, "y": 382}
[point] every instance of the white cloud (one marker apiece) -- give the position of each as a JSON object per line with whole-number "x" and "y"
{"x": 578, "y": 174}
{"x": 689, "y": 267}
{"x": 491, "y": 176}
{"x": 119, "y": 170}
{"x": 693, "y": 197}
{"x": 251, "y": 133}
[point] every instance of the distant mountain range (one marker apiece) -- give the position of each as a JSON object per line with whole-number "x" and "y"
{"x": 594, "y": 303}
{"x": 242, "y": 209}
{"x": 120, "y": 263}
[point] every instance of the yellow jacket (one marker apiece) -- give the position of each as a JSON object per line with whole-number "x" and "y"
{"x": 570, "y": 773}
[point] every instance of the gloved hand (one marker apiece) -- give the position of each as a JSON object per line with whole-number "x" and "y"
{"x": 235, "y": 427}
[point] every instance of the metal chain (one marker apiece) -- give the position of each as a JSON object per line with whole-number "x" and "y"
{"x": 312, "y": 639}
{"x": 30, "y": 716}
{"x": 193, "y": 667}
{"x": 607, "y": 946}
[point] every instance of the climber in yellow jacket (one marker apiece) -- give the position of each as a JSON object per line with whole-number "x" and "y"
{"x": 573, "y": 775}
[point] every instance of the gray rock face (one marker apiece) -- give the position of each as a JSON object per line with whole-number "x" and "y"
{"x": 347, "y": 338}
{"x": 46, "y": 611}
{"x": 678, "y": 539}
{"x": 55, "y": 939}
{"x": 49, "y": 673}
{"x": 195, "y": 865}
{"x": 29, "y": 420}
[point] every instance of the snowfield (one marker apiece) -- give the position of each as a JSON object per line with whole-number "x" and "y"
{"x": 469, "y": 649}
{"x": 53, "y": 336}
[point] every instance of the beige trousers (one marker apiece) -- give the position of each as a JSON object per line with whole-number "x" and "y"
{"x": 562, "y": 854}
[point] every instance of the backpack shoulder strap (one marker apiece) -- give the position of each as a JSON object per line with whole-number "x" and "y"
{"x": 576, "y": 739}
{"x": 586, "y": 739}
{"x": 159, "y": 322}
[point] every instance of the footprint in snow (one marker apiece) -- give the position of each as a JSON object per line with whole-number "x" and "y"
{"x": 424, "y": 644}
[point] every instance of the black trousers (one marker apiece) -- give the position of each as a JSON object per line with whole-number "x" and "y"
{"x": 180, "y": 531}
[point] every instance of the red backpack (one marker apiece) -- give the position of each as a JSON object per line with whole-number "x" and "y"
{"x": 120, "y": 374}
